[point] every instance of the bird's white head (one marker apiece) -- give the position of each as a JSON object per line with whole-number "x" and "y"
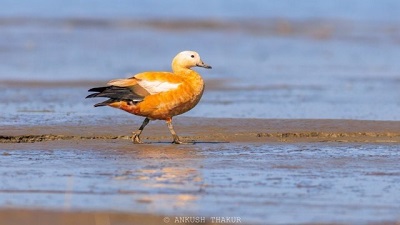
{"x": 187, "y": 60}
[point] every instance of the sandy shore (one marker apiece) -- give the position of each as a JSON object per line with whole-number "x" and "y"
{"x": 51, "y": 217}
{"x": 200, "y": 130}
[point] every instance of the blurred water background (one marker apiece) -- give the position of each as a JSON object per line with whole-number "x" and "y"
{"x": 334, "y": 59}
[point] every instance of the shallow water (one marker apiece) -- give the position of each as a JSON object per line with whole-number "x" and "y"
{"x": 260, "y": 183}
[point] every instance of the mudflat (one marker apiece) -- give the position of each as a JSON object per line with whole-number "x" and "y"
{"x": 203, "y": 130}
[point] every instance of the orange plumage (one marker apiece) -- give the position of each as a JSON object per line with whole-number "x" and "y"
{"x": 157, "y": 95}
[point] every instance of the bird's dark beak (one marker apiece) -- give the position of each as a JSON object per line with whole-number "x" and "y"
{"x": 202, "y": 64}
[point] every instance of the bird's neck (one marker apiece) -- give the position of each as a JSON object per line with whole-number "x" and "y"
{"x": 186, "y": 73}
{"x": 177, "y": 68}
{"x": 189, "y": 75}
{"x": 181, "y": 70}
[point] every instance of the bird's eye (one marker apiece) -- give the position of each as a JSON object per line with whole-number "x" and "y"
{"x": 192, "y": 56}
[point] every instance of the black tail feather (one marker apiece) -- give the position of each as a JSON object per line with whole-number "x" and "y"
{"x": 92, "y": 95}
{"x": 105, "y": 103}
{"x": 115, "y": 94}
{"x": 98, "y": 89}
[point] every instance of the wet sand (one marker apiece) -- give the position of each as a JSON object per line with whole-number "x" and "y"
{"x": 51, "y": 217}
{"x": 264, "y": 171}
{"x": 204, "y": 130}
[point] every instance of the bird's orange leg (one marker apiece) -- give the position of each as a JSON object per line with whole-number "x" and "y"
{"x": 136, "y": 134}
{"x": 174, "y": 135}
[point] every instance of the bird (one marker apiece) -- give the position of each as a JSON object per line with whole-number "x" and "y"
{"x": 157, "y": 95}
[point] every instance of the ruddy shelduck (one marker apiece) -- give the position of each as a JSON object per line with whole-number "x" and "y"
{"x": 157, "y": 95}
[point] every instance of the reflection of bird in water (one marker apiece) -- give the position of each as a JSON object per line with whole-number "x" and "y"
{"x": 157, "y": 95}
{"x": 182, "y": 185}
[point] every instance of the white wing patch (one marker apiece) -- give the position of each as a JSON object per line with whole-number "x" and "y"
{"x": 155, "y": 87}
